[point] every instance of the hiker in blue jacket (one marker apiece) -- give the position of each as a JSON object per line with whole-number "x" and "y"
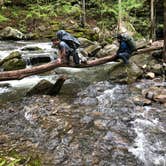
{"x": 124, "y": 51}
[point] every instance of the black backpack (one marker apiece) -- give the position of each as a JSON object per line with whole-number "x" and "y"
{"x": 130, "y": 42}
{"x": 70, "y": 40}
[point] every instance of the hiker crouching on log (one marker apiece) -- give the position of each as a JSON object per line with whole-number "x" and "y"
{"x": 67, "y": 46}
{"x": 126, "y": 47}
{"x": 64, "y": 51}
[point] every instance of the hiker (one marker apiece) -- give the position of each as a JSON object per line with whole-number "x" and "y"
{"x": 64, "y": 51}
{"x": 126, "y": 47}
{"x": 71, "y": 42}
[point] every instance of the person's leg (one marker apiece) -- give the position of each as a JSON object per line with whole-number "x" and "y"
{"x": 76, "y": 58}
{"x": 68, "y": 58}
{"x": 124, "y": 56}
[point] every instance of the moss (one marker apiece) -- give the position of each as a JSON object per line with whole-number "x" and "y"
{"x": 14, "y": 158}
{"x": 14, "y": 64}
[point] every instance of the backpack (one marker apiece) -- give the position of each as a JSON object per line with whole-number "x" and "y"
{"x": 130, "y": 42}
{"x": 72, "y": 44}
{"x": 71, "y": 41}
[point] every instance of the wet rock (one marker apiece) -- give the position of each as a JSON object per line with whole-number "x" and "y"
{"x": 85, "y": 42}
{"x": 13, "y": 61}
{"x": 160, "y": 98}
{"x": 156, "y": 94}
{"x": 13, "y": 64}
{"x": 139, "y": 100}
{"x": 125, "y": 73}
{"x": 46, "y": 87}
{"x": 15, "y": 54}
{"x": 91, "y": 50}
{"x": 2, "y": 85}
{"x": 89, "y": 101}
{"x": 86, "y": 120}
{"x": 158, "y": 54}
{"x": 108, "y": 136}
{"x": 31, "y": 49}
{"x": 107, "y": 50}
{"x": 150, "y": 75}
{"x": 11, "y": 33}
{"x": 157, "y": 69}
{"x": 101, "y": 124}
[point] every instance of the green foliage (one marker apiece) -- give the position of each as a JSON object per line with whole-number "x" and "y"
{"x": 40, "y": 12}
{"x": 66, "y": 8}
{"x": 3, "y": 18}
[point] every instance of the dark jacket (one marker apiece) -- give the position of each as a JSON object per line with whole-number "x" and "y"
{"x": 123, "y": 47}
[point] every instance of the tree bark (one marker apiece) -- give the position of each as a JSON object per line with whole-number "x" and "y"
{"x": 152, "y": 17}
{"x": 83, "y": 15}
{"x": 119, "y": 15}
{"x": 19, "y": 74}
{"x": 164, "y": 50}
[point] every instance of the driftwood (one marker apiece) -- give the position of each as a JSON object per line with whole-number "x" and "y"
{"x": 19, "y": 74}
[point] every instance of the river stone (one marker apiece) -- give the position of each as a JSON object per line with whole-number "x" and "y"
{"x": 31, "y": 49}
{"x": 85, "y": 42}
{"x": 157, "y": 68}
{"x": 46, "y": 87}
{"x": 139, "y": 100}
{"x": 107, "y": 50}
{"x": 11, "y": 33}
{"x": 15, "y": 54}
{"x": 92, "y": 50}
{"x": 155, "y": 94}
{"x": 13, "y": 64}
{"x": 141, "y": 60}
{"x": 116, "y": 72}
{"x": 150, "y": 75}
{"x": 122, "y": 73}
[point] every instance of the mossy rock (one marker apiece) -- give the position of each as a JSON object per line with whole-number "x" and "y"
{"x": 14, "y": 64}
{"x": 15, "y": 54}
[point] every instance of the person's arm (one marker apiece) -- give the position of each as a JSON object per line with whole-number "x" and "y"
{"x": 61, "y": 53}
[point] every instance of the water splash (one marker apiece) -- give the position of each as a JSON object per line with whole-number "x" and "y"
{"x": 148, "y": 146}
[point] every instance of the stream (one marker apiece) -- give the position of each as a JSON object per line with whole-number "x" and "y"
{"x": 96, "y": 124}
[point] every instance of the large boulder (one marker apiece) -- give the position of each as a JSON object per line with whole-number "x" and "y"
{"x": 14, "y": 64}
{"x": 13, "y": 61}
{"x": 113, "y": 71}
{"x": 11, "y": 33}
{"x": 46, "y": 87}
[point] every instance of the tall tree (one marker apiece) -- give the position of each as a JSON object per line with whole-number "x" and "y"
{"x": 164, "y": 53}
{"x": 83, "y": 15}
{"x": 152, "y": 17}
{"x": 119, "y": 15}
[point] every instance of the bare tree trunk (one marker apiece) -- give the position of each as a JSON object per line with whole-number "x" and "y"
{"x": 119, "y": 15}
{"x": 19, "y": 74}
{"x": 164, "y": 51}
{"x": 83, "y": 15}
{"x": 152, "y": 17}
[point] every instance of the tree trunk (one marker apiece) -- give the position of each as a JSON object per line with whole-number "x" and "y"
{"x": 152, "y": 17}
{"x": 164, "y": 50}
{"x": 19, "y": 74}
{"x": 83, "y": 15}
{"x": 119, "y": 15}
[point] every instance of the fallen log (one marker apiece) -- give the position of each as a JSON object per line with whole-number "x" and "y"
{"x": 19, "y": 74}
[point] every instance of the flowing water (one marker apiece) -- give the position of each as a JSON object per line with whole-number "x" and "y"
{"x": 95, "y": 125}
